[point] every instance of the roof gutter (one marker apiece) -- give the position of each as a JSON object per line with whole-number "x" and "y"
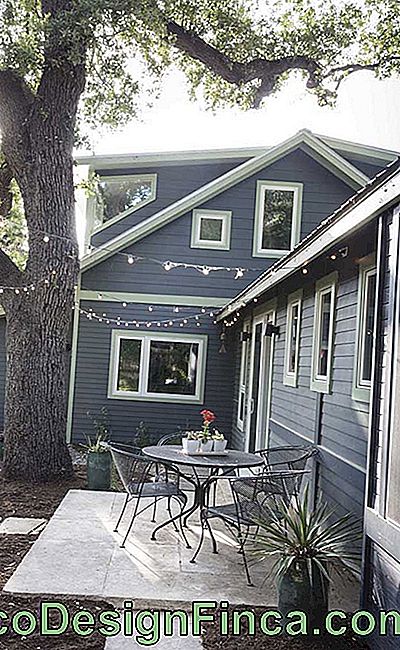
{"x": 348, "y": 219}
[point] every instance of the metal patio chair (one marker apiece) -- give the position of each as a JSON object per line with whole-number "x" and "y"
{"x": 287, "y": 457}
{"x": 144, "y": 478}
{"x": 252, "y": 499}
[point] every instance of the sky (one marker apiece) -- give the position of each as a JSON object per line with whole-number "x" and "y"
{"x": 367, "y": 111}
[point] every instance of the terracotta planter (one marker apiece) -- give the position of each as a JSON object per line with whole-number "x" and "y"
{"x": 98, "y": 466}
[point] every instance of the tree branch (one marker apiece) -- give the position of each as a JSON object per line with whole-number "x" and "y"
{"x": 6, "y": 196}
{"x": 236, "y": 72}
{"x": 16, "y": 100}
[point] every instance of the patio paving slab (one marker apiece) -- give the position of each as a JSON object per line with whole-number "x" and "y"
{"x": 78, "y": 554}
{"x": 22, "y": 526}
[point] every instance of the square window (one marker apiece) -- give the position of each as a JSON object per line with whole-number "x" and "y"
{"x": 322, "y": 353}
{"x": 118, "y": 196}
{"x": 277, "y": 219}
{"x": 365, "y": 330}
{"x": 211, "y": 229}
{"x": 157, "y": 367}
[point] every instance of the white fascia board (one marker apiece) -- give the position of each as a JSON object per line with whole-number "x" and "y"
{"x": 221, "y": 184}
{"x": 362, "y": 150}
{"x": 351, "y": 221}
{"x": 120, "y": 161}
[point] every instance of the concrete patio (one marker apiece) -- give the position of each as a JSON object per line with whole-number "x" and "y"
{"x": 78, "y": 554}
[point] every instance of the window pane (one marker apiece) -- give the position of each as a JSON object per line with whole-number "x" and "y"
{"x": 241, "y": 406}
{"x": 293, "y": 338}
{"x": 324, "y": 329}
{"x": 277, "y": 223}
{"x": 117, "y": 195}
{"x": 129, "y": 364}
{"x": 368, "y": 331}
{"x": 210, "y": 229}
{"x": 173, "y": 367}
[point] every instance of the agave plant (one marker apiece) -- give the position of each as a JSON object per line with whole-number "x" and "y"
{"x": 294, "y": 534}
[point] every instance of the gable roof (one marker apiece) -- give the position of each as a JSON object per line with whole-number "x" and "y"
{"x": 380, "y": 193}
{"x": 304, "y": 139}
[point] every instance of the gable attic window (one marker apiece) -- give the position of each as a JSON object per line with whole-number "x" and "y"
{"x": 365, "y": 330}
{"x": 324, "y": 321}
{"x": 157, "y": 367}
{"x": 211, "y": 229}
{"x": 292, "y": 344}
{"x": 118, "y": 196}
{"x": 277, "y": 219}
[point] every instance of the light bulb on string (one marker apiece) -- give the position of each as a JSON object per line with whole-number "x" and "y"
{"x": 205, "y": 270}
{"x": 239, "y": 274}
{"x": 203, "y": 311}
{"x": 131, "y": 259}
{"x": 168, "y": 266}
{"x": 150, "y": 308}
{"x": 124, "y": 304}
{"x": 176, "y": 310}
{"x": 46, "y": 239}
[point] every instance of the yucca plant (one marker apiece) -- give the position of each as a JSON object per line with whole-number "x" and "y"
{"x": 307, "y": 544}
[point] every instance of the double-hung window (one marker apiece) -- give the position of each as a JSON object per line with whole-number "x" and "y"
{"x": 245, "y": 343}
{"x": 211, "y": 229}
{"x": 365, "y": 330}
{"x": 277, "y": 218}
{"x": 157, "y": 367}
{"x": 118, "y": 196}
{"x": 323, "y": 335}
{"x": 292, "y": 344}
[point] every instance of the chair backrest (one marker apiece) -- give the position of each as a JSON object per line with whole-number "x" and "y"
{"x": 171, "y": 439}
{"x": 133, "y": 468}
{"x": 255, "y": 496}
{"x": 287, "y": 458}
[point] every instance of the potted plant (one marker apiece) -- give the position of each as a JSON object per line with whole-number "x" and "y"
{"x": 191, "y": 443}
{"x": 206, "y": 439}
{"x": 219, "y": 441}
{"x": 98, "y": 462}
{"x": 307, "y": 545}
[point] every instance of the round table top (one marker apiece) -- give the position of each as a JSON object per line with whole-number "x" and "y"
{"x": 174, "y": 454}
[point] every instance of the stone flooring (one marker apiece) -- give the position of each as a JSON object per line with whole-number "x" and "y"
{"x": 79, "y": 554}
{"x": 22, "y": 526}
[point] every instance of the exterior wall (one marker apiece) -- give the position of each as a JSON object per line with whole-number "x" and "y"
{"x": 173, "y": 183}
{"x": 335, "y": 422}
{"x": 323, "y": 193}
{"x": 160, "y": 418}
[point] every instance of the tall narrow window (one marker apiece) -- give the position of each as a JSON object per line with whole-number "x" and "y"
{"x": 365, "y": 330}
{"x": 245, "y": 343}
{"x": 292, "y": 346}
{"x": 278, "y": 218}
{"x": 325, "y": 298}
{"x": 118, "y": 196}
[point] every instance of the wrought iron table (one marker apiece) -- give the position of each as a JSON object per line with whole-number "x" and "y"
{"x": 222, "y": 464}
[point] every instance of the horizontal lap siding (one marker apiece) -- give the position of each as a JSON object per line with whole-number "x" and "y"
{"x": 173, "y": 183}
{"x": 322, "y": 194}
{"x": 160, "y": 418}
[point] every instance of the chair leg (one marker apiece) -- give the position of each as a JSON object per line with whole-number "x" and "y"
{"x": 171, "y": 515}
{"x": 153, "y": 519}
{"x": 210, "y": 530}
{"x": 246, "y": 567}
{"x": 122, "y": 513}
{"x": 131, "y": 523}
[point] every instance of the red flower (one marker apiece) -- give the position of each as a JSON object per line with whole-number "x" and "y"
{"x": 208, "y": 416}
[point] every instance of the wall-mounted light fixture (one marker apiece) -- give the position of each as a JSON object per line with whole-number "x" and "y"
{"x": 272, "y": 330}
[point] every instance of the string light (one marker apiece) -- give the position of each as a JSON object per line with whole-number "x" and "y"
{"x": 181, "y": 322}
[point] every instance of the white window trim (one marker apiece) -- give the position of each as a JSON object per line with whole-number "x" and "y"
{"x": 142, "y": 394}
{"x": 222, "y": 215}
{"x": 291, "y": 378}
{"x": 243, "y": 377}
{"x": 117, "y": 177}
{"x": 362, "y": 389}
{"x": 327, "y": 284}
{"x": 262, "y": 187}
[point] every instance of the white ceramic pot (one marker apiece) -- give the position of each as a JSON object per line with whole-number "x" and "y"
{"x": 190, "y": 446}
{"x": 220, "y": 445}
{"x": 207, "y": 446}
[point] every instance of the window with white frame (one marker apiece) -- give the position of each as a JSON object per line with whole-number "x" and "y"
{"x": 277, "y": 219}
{"x": 245, "y": 346}
{"x": 157, "y": 367}
{"x": 292, "y": 343}
{"x": 211, "y": 229}
{"x": 118, "y": 196}
{"x": 324, "y": 321}
{"x": 365, "y": 330}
